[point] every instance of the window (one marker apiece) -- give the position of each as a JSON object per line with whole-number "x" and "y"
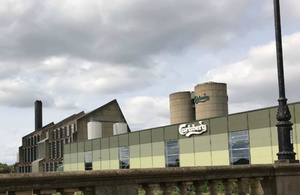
{"x": 88, "y": 160}
{"x": 32, "y": 154}
{"x": 55, "y": 166}
{"x": 62, "y": 148}
{"x": 67, "y": 131}
{"x": 54, "y": 149}
{"x": 124, "y": 157}
{"x": 172, "y": 153}
{"x": 25, "y": 155}
{"x": 29, "y": 155}
{"x": 50, "y": 150}
{"x": 58, "y": 133}
{"x": 71, "y": 127}
{"x": 35, "y": 153}
{"x": 47, "y": 167}
{"x": 58, "y": 149}
{"x": 239, "y": 147}
{"x": 51, "y": 166}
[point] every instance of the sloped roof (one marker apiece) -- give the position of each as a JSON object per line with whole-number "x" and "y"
{"x": 103, "y": 107}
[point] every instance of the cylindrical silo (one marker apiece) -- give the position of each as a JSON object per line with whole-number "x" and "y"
{"x": 94, "y": 130}
{"x": 211, "y": 100}
{"x": 181, "y": 107}
{"x": 119, "y": 128}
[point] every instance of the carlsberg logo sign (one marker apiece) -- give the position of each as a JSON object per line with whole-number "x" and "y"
{"x": 189, "y": 130}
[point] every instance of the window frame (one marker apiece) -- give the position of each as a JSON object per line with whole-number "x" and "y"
{"x": 232, "y": 149}
{"x": 124, "y": 160}
{"x": 88, "y": 165}
{"x": 169, "y": 154}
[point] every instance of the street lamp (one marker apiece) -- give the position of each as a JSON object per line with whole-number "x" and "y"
{"x": 286, "y": 152}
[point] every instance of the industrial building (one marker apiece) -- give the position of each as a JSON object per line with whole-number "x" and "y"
{"x": 201, "y": 134}
{"x": 42, "y": 149}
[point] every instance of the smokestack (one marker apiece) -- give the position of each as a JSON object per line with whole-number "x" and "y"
{"x": 38, "y": 114}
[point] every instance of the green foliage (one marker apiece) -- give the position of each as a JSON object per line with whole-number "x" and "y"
{"x": 4, "y": 168}
{"x": 220, "y": 187}
{"x": 141, "y": 191}
{"x": 205, "y": 188}
{"x": 175, "y": 190}
{"x": 234, "y": 188}
{"x": 78, "y": 193}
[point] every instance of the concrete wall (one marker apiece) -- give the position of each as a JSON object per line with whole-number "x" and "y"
{"x": 147, "y": 147}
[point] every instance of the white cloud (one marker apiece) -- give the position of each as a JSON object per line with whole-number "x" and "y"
{"x": 253, "y": 81}
{"x": 144, "y": 112}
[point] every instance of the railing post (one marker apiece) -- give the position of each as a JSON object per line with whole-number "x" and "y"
{"x": 199, "y": 187}
{"x": 183, "y": 187}
{"x": 241, "y": 186}
{"x": 228, "y": 184}
{"x": 167, "y": 188}
{"x": 213, "y": 187}
{"x": 149, "y": 188}
{"x": 257, "y": 190}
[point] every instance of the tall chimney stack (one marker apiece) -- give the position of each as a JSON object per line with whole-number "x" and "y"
{"x": 38, "y": 114}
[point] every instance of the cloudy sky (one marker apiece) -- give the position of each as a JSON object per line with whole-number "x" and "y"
{"x": 77, "y": 55}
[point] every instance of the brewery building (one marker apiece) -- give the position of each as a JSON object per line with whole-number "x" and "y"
{"x": 201, "y": 133}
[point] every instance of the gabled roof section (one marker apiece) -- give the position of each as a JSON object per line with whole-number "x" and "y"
{"x": 70, "y": 118}
{"x": 40, "y": 129}
{"x": 104, "y": 106}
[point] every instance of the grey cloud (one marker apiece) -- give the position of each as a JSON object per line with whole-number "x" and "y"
{"x": 126, "y": 33}
{"x": 106, "y": 47}
{"x": 21, "y": 92}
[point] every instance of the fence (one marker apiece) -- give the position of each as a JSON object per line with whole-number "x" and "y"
{"x": 269, "y": 179}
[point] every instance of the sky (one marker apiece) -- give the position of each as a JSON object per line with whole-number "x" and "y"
{"x": 77, "y": 55}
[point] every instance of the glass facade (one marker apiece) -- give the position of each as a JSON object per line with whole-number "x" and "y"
{"x": 239, "y": 147}
{"x": 172, "y": 153}
{"x": 88, "y": 160}
{"x": 124, "y": 157}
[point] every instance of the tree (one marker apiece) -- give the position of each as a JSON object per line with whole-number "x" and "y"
{"x": 4, "y": 168}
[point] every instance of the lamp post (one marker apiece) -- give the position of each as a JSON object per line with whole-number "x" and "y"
{"x": 286, "y": 152}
